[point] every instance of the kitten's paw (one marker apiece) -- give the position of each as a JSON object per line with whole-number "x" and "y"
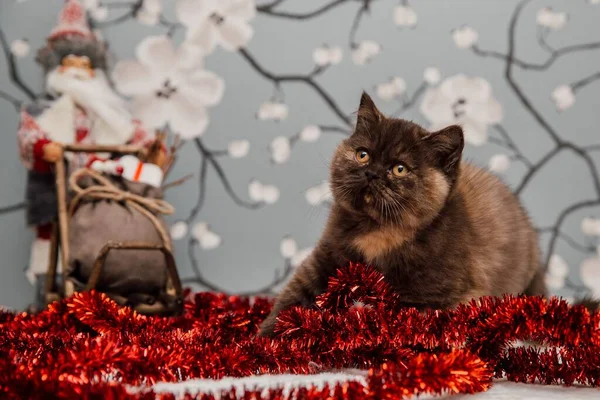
{"x": 267, "y": 328}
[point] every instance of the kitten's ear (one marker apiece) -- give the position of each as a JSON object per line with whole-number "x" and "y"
{"x": 368, "y": 114}
{"x": 446, "y": 147}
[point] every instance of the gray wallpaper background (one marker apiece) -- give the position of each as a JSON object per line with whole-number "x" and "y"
{"x": 249, "y": 257}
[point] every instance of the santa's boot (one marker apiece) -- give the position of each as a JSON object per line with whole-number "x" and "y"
{"x": 39, "y": 259}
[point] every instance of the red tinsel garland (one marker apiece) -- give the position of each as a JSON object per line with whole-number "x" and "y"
{"x": 88, "y": 347}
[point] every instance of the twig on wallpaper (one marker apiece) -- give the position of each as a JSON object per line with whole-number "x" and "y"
{"x": 514, "y": 155}
{"x": 325, "y": 129}
{"x": 269, "y": 6}
{"x": 355, "y": 24}
{"x": 559, "y": 222}
{"x": 306, "y": 79}
{"x": 13, "y": 73}
{"x": 219, "y": 153}
{"x": 198, "y": 278}
{"x": 12, "y": 208}
{"x": 121, "y": 4}
{"x": 590, "y": 162}
{"x": 336, "y": 129}
{"x": 173, "y": 26}
{"x": 569, "y": 284}
{"x": 223, "y": 177}
{"x": 277, "y": 280}
{"x": 542, "y": 35}
{"x": 266, "y": 290}
{"x": 560, "y": 144}
{"x": 576, "y": 245}
{"x": 512, "y": 145}
{"x": 408, "y": 103}
{"x": 511, "y": 59}
{"x": 577, "y": 85}
{"x": 201, "y": 192}
{"x": 535, "y": 168}
{"x": 11, "y": 99}
{"x": 544, "y": 65}
{"x": 268, "y": 10}
{"x": 116, "y": 21}
{"x": 499, "y": 142}
{"x": 586, "y": 249}
{"x": 512, "y": 83}
{"x": 594, "y": 147}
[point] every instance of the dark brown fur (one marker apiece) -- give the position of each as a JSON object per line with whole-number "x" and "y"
{"x": 445, "y": 233}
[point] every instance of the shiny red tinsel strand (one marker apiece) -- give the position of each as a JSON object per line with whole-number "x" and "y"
{"x": 88, "y": 347}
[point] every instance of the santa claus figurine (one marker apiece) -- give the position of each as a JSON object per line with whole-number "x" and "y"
{"x": 79, "y": 106}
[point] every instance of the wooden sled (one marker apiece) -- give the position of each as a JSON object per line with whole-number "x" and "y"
{"x": 171, "y": 303}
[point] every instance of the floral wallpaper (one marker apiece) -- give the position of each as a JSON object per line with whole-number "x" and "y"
{"x": 256, "y": 94}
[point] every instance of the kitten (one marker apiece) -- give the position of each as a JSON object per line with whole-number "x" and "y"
{"x": 440, "y": 230}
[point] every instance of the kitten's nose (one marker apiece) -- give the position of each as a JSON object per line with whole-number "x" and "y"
{"x": 371, "y": 175}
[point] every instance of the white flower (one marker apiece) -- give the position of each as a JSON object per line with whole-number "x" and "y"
{"x": 238, "y": 148}
{"x": 100, "y": 13}
{"x": 263, "y": 193}
{"x": 551, "y": 19}
{"x": 20, "y": 47}
{"x": 387, "y": 91}
{"x": 149, "y": 12}
{"x": 91, "y": 4}
{"x": 207, "y": 239}
{"x": 465, "y": 37}
{"x": 432, "y": 75}
{"x": 272, "y": 111}
{"x": 178, "y": 230}
{"x": 300, "y": 256}
{"x": 365, "y": 51}
{"x": 335, "y": 55}
{"x": 590, "y": 226}
{"x": 288, "y": 247}
{"x": 325, "y": 55}
{"x": 563, "y": 97}
{"x": 321, "y": 56}
{"x": 319, "y": 194}
{"x": 558, "y": 267}
{"x": 590, "y": 275}
{"x": 95, "y": 8}
{"x": 310, "y": 133}
{"x": 270, "y": 194}
{"x": 554, "y": 282}
{"x": 462, "y": 100}
{"x": 168, "y": 85}
{"x": 281, "y": 149}
{"x": 405, "y": 16}
{"x": 212, "y": 22}
{"x": 152, "y": 6}
{"x": 499, "y": 163}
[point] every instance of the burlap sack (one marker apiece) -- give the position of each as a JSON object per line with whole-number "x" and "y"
{"x": 96, "y": 222}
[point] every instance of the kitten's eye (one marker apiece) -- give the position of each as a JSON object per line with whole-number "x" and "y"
{"x": 362, "y": 156}
{"x": 400, "y": 170}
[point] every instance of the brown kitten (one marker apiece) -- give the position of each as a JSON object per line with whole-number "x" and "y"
{"x": 441, "y": 231}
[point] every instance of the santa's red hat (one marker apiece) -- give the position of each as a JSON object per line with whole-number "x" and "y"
{"x": 72, "y": 21}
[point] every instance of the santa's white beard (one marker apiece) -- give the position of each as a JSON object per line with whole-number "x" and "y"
{"x": 112, "y": 122}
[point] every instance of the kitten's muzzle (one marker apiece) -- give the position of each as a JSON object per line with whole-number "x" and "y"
{"x": 370, "y": 175}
